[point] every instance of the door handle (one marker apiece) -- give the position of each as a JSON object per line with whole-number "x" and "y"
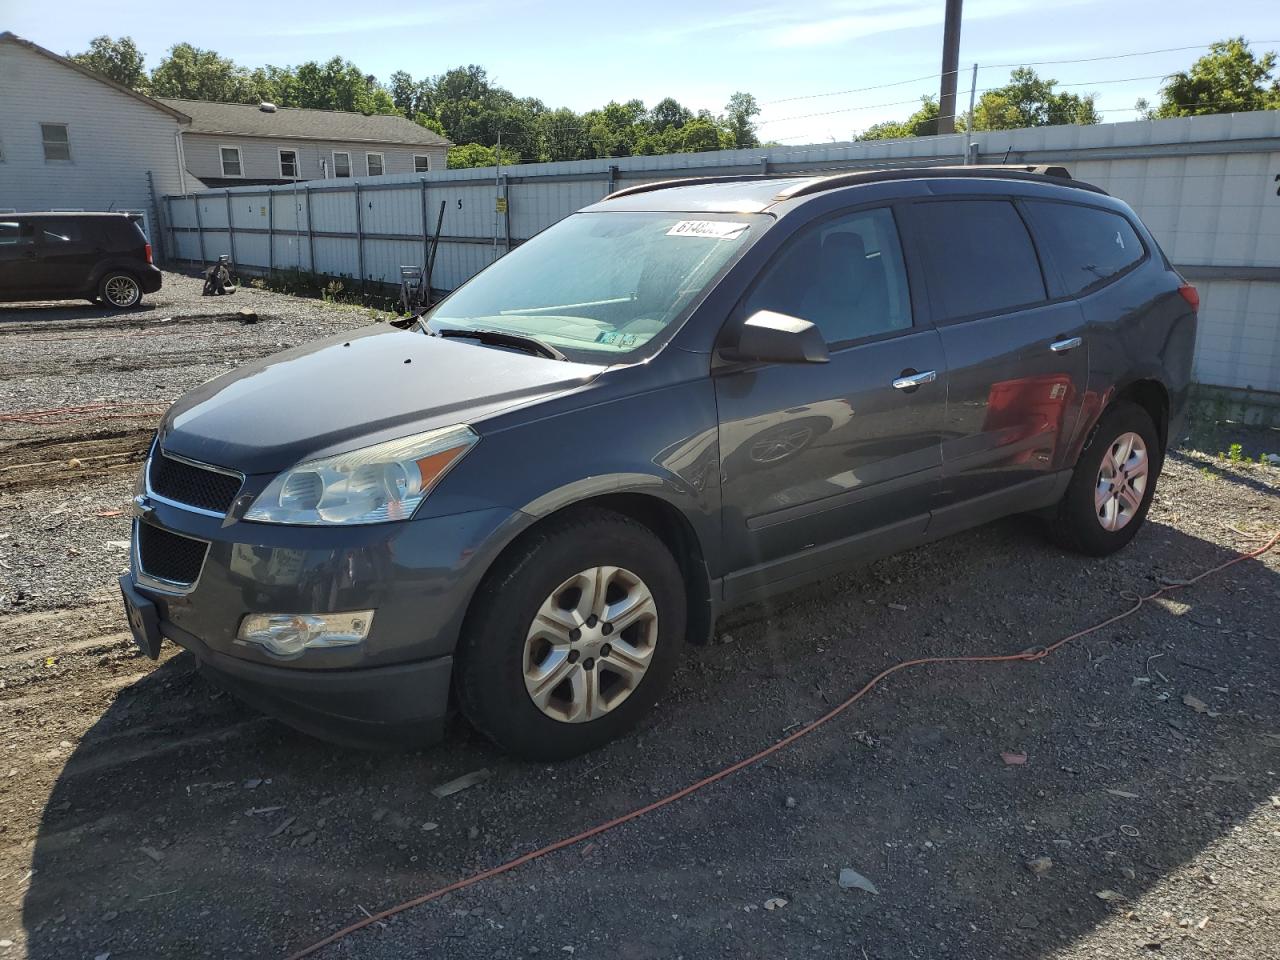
{"x": 1062, "y": 346}
{"x": 909, "y": 380}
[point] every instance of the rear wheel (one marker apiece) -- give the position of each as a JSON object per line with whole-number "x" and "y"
{"x": 120, "y": 290}
{"x": 1114, "y": 480}
{"x": 572, "y": 637}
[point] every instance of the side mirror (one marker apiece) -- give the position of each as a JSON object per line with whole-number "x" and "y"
{"x": 778, "y": 338}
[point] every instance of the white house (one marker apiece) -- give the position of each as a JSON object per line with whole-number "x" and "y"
{"x": 236, "y": 144}
{"x": 73, "y": 140}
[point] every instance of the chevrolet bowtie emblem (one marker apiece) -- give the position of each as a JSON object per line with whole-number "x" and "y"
{"x": 143, "y": 507}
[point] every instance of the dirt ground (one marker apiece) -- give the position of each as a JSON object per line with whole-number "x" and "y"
{"x": 145, "y": 814}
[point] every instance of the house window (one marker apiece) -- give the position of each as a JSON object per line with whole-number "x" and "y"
{"x": 341, "y": 164}
{"x": 289, "y": 164}
{"x": 421, "y": 163}
{"x": 56, "y": 144}
{"x": 373, "y": 162}
{"x": 231, "y": 166}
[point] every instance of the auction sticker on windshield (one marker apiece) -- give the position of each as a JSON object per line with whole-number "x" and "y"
{"x": 715, "y": 229}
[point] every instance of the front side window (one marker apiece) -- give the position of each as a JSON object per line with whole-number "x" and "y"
{"x": 15, "y": 233}
{"x": 600, "y": 286}
{"x": 421, "y": 163}
{"x": 231, "y": 166}
{"x": 845, "y": 275}
{"x": 342, "y": 164}
{"x": 289, "y": 164}
{"x": 1088, "y": 245}
{"x": 373, "y": 163}
{"x": 978, "y": 258}
{"x": 57, "y": 145}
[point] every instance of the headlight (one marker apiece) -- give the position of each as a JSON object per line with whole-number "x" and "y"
{"x": 373, "y": 485}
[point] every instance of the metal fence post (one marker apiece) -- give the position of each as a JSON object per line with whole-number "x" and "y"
{"x": 359, "y": 234}
{"x": 231, "y": 232}
{"x": 271, "y": 233}
{"x": 204, "y": 261}
{"x": 426, "y": 251}
{"x": 173, "y": 233}
{"x": 611, "y": 180}
{"x": 311, "y": 239}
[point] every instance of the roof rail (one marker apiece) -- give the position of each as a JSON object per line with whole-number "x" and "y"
{"x": 1056, "y": 173}
{"x": 689, "y": 182}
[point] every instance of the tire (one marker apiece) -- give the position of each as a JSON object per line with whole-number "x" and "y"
{"x": 507, "y": 650}
{"x": 120, "y": 290}
{"x": 1089, "y": 521}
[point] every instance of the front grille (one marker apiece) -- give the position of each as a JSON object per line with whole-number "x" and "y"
{"x": 168, "y": 556}
{"x": 186, "y": 483}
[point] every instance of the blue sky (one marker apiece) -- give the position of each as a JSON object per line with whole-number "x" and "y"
{"x": 581, "y": 54}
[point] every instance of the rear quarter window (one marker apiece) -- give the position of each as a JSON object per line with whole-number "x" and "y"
{"x": 978, "y": 258}
{"x": 1089, "y": 246}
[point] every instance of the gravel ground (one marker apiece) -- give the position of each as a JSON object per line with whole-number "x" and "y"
{"x": 145, "y": 814}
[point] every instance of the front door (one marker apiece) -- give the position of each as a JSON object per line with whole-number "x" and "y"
{"x": 17, "y": 257}
{"x": 822, "y": 463}
{"x": 1017, "y": 363}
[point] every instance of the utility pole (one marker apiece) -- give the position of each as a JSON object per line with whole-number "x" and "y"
{"x": 950, "y": 67}
{"x": 497, "y": 190}
{"x": 970, "y": 147}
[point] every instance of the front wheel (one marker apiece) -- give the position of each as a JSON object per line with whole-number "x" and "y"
{"x": 120, "y": 290}
{"x": 1113, "y": 484}
{"x": 572, "y": 637}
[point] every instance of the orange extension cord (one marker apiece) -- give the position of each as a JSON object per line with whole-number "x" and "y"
{"x": 1026, "y": 656}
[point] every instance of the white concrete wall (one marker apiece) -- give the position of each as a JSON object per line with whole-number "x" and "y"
{"x": 1205, "y": 186}
{"x": 115, "y": 139}
{"x": 260, "y": 156}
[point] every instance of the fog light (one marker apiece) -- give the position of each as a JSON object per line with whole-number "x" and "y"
{"x": 290, "y": 634}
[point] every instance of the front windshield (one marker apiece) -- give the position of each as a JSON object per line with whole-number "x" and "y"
{"x": 599, "y": 286}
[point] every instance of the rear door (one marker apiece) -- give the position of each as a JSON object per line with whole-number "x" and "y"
{"x": 1016, "y": 353}
{"x": 17, "y": 256}
{"x": 67, "y": 249}
{"x": 819, "y": 460}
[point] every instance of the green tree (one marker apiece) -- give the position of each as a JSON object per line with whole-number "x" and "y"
{"x": 118, "y": 60}
{"x": 191, "y": 73}
{"x": 922, "y": 123}
{"x": 668, "y": 113}
{"x": 740, "y": 120}
{"x": 339, "y": 84}
{"x": 1230, "y": 78}
{"x": 1027, "y": 100}
{"x": 478, "y": 155}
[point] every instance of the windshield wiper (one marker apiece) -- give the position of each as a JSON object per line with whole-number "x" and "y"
{"x": 501, "y": 338}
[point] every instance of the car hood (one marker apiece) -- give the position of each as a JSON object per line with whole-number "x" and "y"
{"x": 352, "y": 390}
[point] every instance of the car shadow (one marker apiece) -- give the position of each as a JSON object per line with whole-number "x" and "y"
{"x": 184, "y": 824}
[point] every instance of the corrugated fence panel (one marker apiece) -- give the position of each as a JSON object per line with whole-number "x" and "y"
{"x": 1205, "y": 186}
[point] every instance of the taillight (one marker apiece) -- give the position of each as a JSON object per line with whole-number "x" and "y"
{"x": 1189, "y": 294}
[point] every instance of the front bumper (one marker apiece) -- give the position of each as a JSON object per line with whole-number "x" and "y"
{"x": 417, "y": 576}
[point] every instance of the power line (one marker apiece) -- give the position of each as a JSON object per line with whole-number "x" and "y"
{"x": 998, "y": 66}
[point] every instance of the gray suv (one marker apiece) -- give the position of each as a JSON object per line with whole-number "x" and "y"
{"x": 686, "y": 397}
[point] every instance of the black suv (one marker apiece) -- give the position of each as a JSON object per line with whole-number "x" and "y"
{"x": 685, "y": 397}
{"x": 102, "y": 257}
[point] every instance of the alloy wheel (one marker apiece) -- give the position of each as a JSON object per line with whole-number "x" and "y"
{"x": 122, "y": 291}
{"x": 590, "y": 644}
{"x": 1122, "y": 481}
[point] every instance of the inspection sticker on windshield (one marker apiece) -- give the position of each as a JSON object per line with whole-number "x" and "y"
{"x": 715, "y": 229}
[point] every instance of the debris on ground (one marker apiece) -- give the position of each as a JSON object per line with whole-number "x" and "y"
{"x": 1039, "y": 866}
{"x": 1013, "y": 759}
{"x": 775, "y": 903}
{"x": 151, "y": 853}
{"x": 851, "y": 879}
{"x": 1111, "y": 896}
{"x": 463, "y": 782}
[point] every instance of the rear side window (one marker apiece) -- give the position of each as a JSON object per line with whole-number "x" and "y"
{"x": 978, "y": 258}
{"x": 1088, "y": 245}
{"x": 63, "y": 231}
{"x": 844, "y": 275}
{"x": 14, "y": 232}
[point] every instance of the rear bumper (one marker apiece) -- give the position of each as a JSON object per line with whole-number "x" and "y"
{"x": 386, "y": 707}
{"x": 151, "y": 279}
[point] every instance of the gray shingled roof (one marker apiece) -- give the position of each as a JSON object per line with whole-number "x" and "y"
{"x": 247, "y": 120}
